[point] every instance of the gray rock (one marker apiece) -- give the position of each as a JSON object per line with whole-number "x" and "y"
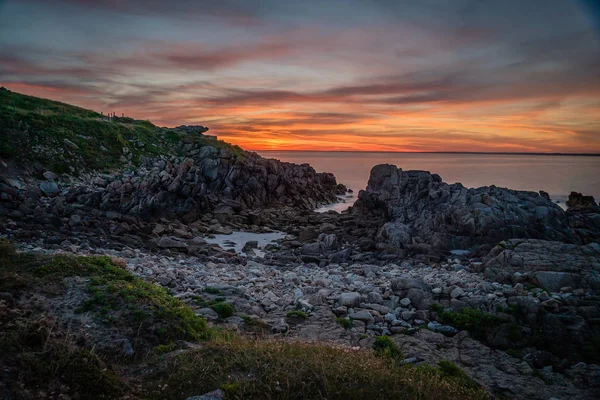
{"x": 280, "y": 326}
{"x": 554, "y": 281}
{"x": 208, "y": 313}
{"x": 166, "y": 242}
{"x": 449, "y": 216}
{"x": 364, "y": 316}
{"x": 374, "y": 297}
{"x": 405, "y": 302}
{"x": 70, "y": 144}
{"x": 329, "y": 241}
{"x": 351, "y": 299}
{"x": 75, "y": 220}
{"x": 456, "y": 293}
{"x": 49, "y": 175}
{"x": 444, "y": 329}
{"x": 49, "y": 189}
{"x": 214, "y": 395}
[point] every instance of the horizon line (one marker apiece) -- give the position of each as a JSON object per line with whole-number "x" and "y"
{"x": 434, "y": 152}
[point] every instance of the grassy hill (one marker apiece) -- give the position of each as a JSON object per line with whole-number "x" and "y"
{"x": 67, "y": 139}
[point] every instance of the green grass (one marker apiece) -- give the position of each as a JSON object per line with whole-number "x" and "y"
{"x": 385, "y": 347}
{"x": 35, "y": 130}
{"x": 116, "y": 297}
{"x": 297, "y": 314}
{"x": 225, "y": 310}
{"x": 280, "y": 370}
{"x": 477, "y": 322}
{"x": 212, "y": 290}
{"x": 345, "y": 323}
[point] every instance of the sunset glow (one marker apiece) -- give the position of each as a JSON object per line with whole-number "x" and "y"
{"x": 357, "y": 76}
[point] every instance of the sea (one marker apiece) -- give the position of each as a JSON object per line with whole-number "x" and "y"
{"x": 558, "y": 175}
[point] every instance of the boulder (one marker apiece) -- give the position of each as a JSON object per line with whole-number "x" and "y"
{"x": 351, "y": 299}
{"x": 364, "y": 316}
{"x": 167, "y": 242}
{"x": 554, "y": 280}
{"x": 49, "y": 188}
{"x": 419, "y": 208}
{"x": 551, "y": 265}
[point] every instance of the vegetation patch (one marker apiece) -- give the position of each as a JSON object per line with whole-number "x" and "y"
{"x": 477, "y": 322}
{"x": 212, "y": 290}
{"x": 39, "y": 361}
{"x": 345, "y": 323}
{"x": 225, "y": 310}
{"x": 384, "y": 346}
{"x": 247, "y": 369}
{"x": 68, "y": 139}
{"x": 297, "y": 314}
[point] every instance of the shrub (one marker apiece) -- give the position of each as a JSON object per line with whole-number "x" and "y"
{"x": 212, "y": 290}
{"x": 384, "y": 346}
{"x": 344, "y": 322}
{"x": 475, "y": 321}
{"x": 297, "y": 314}
{"x": 225, "y": 310}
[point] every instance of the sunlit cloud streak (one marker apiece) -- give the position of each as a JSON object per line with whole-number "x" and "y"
{"x": 328, "y": 75}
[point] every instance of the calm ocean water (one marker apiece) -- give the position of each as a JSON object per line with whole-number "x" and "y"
{"x": 557, "y": 175}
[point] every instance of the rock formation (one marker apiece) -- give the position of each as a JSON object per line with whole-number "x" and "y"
{"x": 423, "y": 211}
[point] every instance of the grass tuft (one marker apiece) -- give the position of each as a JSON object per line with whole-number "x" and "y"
{"x": 345, "y": 323}
{"x": 385, "y": 347}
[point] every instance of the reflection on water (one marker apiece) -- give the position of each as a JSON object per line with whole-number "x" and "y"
{"x": 557, "y": 175}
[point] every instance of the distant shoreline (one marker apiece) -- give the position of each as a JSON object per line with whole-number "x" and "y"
{"x": 430, "y": 152}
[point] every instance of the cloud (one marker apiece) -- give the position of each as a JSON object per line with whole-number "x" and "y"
{"x": 340, "y": 75}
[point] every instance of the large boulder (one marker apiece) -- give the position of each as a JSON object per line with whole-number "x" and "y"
{"x": 421, "y": 208}
{"x": 551, "y": 265}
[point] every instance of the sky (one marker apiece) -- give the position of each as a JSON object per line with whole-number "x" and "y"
{"x": 344, "y": 75}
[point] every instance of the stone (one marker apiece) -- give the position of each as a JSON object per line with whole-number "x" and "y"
{"x": 49, "y": 175}
{"x": 280, "y": 326}
{"x": 214, "y": 395}
{"x": 444, "y": 329}
{"x": 159, "y": 229}
{"x": 329, "y": 241}
{"x": 75, "y": 220}
{"x": 167, "y": 242}
{"x": 351, "y": 299}
{"x": 251, "y": 244}
{"x": 456, "y": 293}
{"x": 164, "y": 280}
{"x": 70, "y": 144}
{"x": 407, "y": 315}
{"x": 364, "y": 316}
{"x": 49, "y": 188}
{"x": 419, "y": 205}
{"x": 405, "y": 302}
{"x": 374, "y": 297}
{"x": 554, "y": 280}
{"x": 207, "y": 313}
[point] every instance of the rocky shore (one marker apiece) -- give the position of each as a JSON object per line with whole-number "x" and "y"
{"x": 503, "y": 283}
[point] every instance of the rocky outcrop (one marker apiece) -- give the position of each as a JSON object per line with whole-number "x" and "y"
{"x": 205, "y": 181}
{"x": 422, "y": 212}
{"x": 584, "y": 217}
{"x": 208, "y": 180}
{"x": 577, "y": 201}
{"x": 550, "y": 265}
